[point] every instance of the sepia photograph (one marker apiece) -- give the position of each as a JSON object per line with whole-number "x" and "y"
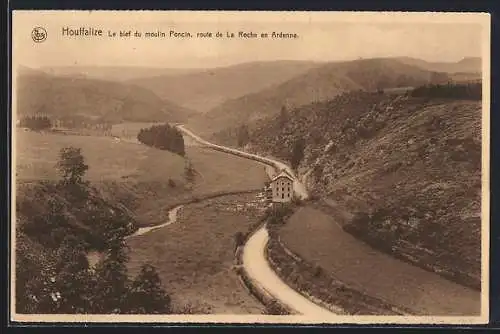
{"x": 250, "y": 167}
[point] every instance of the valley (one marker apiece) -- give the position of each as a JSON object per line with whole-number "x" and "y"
{"x": 384, "y": 153}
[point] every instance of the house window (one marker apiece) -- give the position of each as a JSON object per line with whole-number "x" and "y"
{"x": 282, "y": 196}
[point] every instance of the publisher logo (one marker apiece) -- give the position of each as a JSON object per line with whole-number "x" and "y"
{"x": 39, "y": 34}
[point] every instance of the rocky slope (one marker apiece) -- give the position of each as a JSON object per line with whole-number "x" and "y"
{"x": 402, "y": 173}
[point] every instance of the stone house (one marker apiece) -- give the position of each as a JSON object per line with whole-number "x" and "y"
{"x": 282, "y": 187}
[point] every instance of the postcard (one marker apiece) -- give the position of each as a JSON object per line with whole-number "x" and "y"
{"x": 250, "y": 167}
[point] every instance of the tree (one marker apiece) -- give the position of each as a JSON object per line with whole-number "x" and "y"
{"x": 72, "y": 165}
{"x": 33, "y": 264}
{"x": 239, "y": 239}
{"x": 146, "y": 295}
{"x": 111, "y": 291}
{"x": 72, "y": 282}
{"x": 243, "y": 135}
{"x": 297, "y": 152}
{"x": 283, "y": 116}
{"x": 189, "y": 172}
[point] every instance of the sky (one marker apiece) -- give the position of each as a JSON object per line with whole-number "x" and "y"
{"x": 321, "y": 37}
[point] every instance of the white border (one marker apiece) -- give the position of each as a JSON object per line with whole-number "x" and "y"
{"x": 237, "y": 16}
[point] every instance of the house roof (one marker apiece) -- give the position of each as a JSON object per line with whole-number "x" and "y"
{"x": 283, "y": 173}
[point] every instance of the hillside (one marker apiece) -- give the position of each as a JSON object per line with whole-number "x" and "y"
{"x": 59, "y": 97}
{"x": 401, "y": 173}
{"x": 318, "y": 84}
{"x": 204, "y": 89}
{"x": 77, "y": 209}
{"x": 467, "y": 65}
{"x": 145, "y": 180}
{"x": 114, "y": 73}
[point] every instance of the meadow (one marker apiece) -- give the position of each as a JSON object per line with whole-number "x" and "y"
{"x": 194, "y": 256}
{"x": 147, "y": 181}
{"x": 37, "y": 154}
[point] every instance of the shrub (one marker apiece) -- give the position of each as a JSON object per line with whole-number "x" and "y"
{"x": 171, "y": 183}
{"x": 297, "y": 201}
{"x": 277, "y": 214}
{"x": 273, "y": 308}
{"x": 238, "y": 239}
{"x": 146, "y": 294}
{"x": 190, "y": 308}
{"x": 314, "y": 197}
{"x": 317, "y": 271}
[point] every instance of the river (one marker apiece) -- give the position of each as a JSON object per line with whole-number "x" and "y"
{"x": 93, "y": 257}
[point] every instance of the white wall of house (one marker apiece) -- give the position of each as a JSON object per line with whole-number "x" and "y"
{"x": 282, "y": 189}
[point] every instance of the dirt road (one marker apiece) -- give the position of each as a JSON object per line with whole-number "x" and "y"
{"x": 257, "y": 267}
{"x": 254, "y": 258}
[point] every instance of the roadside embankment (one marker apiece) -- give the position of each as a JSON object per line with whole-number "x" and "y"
{"x": 315, "y": 284}
{"x": 273, "y": 306}
{"x": 319, "y": 239}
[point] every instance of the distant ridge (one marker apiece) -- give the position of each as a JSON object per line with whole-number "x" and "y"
{"x": 317, "y": 84}
{"x": 467, "y": 65}
{"x": 204, "y": 89}
{"x": 70, "y": 96}
{"x": 114, "y": 73}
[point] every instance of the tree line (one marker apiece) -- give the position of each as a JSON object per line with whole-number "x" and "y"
{"x": 469, "y": 91}
{"x": 53, "y": 274}
{"x": 163, "y": 137}
{"x": 35, "y": 122}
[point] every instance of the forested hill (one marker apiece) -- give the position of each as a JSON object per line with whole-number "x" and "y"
{"x": 56, "y": 97}
{"x": 320, "y": 83}
{"x": 408, "y": 167}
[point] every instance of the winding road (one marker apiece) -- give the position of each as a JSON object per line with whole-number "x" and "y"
{"x": 254, "y": 258}
{"x": 261, "y": 273}
{"x": 299, "y": 188}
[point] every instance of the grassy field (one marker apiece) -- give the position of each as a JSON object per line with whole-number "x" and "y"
{"x": 372, "y": 272}
{"x": 135, "y": 175}
{"x": 37, "y": 154}
{"x": 219, "y": 171}
{"x": 194, "y": 256}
